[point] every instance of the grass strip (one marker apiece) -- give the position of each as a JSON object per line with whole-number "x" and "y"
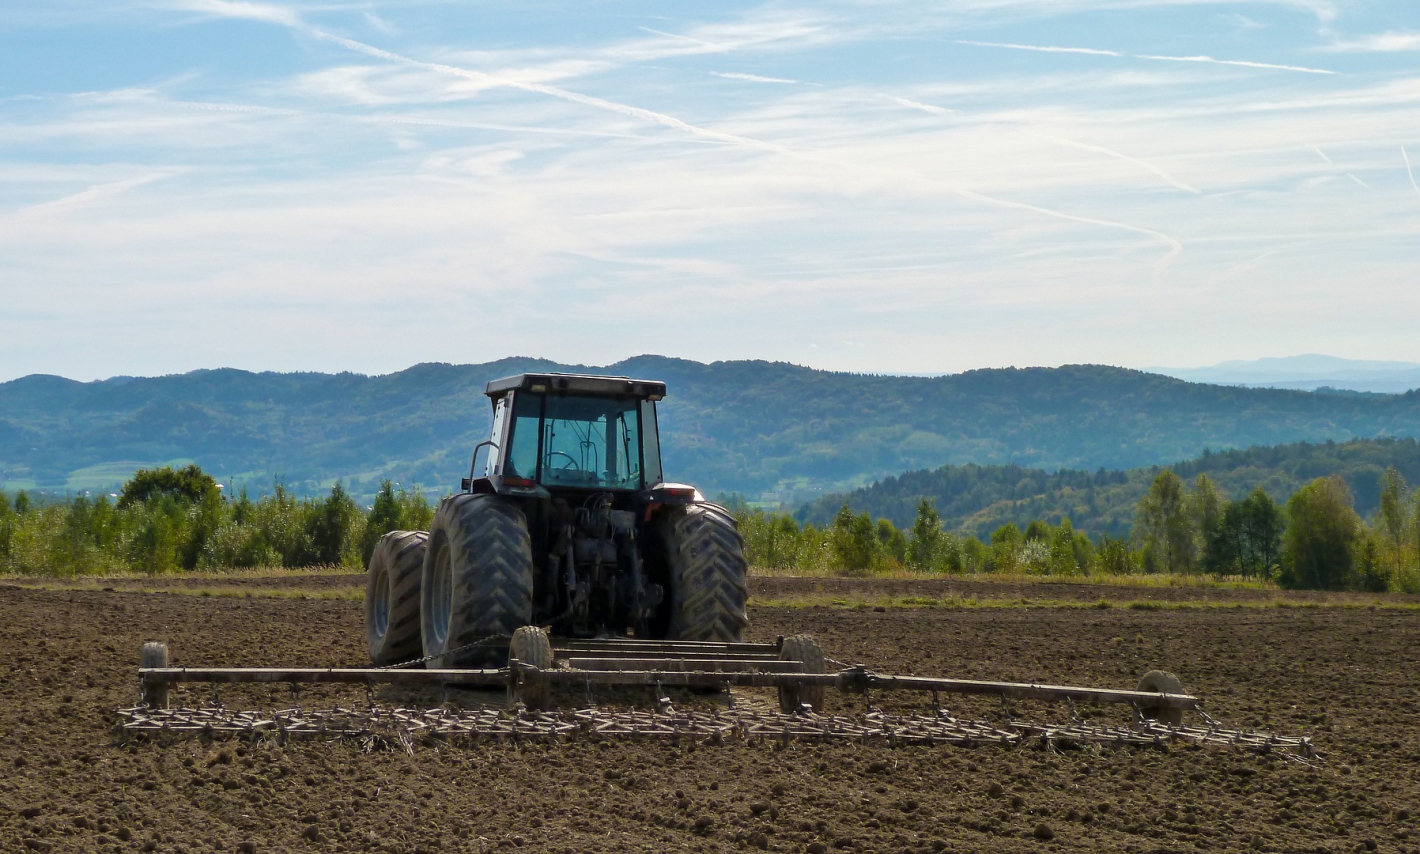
{"x": 871, "y": 603}
{"x": 352, "y": 594}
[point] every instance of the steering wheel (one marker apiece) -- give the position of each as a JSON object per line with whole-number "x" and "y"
{"x": 571, "y": 460}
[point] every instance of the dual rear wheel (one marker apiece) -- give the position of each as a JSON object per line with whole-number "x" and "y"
{"x": 456, "y": 594}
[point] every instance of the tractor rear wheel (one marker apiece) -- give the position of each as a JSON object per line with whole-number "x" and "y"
{"x": 477, "y": 585}
{"x": 706, "y": 563}
{"x": 392, "y": 597}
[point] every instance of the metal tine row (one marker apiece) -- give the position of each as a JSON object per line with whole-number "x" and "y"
{"x": 716, "y": 725}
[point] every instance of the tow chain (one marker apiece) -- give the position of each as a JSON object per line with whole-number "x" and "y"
{"x": 491, "y": 640}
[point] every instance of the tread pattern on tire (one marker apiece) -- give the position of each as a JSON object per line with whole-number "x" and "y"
{"x": 400, "y": 555}
{"x": 705, "y": 554}
{"x": 487, "y": 541}
{"x": 805, "y": 649}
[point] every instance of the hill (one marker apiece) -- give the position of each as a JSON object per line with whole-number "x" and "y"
{"x": 1311, "y": 372}
{"x": 979, "y": 499}
{"x": 771, "y": 431}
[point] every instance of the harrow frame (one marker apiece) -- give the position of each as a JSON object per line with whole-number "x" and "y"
{"x": 658, "y": 664}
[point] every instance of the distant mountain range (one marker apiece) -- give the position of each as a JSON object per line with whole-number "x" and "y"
{"x": 1309, "y": 372}
{"x": 979, "y": 499}
{"x": 773, "y": 432}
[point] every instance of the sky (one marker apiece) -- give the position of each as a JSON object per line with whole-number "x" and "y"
{"x": 862, "y": 185}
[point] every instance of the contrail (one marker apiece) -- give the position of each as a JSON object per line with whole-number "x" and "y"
{"x": 926, "y": 108}
{"x": 1322, "y": 155}
{"x": 1044, "y": 48}
{"x": 288, "y": 18}
{"x": 1121, "y": 156}
{"x": 1239, "y": 62}
{"x": 555, "y": 92}
{"x": 1409, "y": 171}
{"x": 1175, "y": 247}
{"x": 1089, "y": 51}
{"x": 210, "y": 106}
{"x": 1169, "y": 179}
{"x": 753, "y": 78}
{"x": 96, "y": 193}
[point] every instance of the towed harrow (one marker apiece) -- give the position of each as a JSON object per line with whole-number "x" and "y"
{"x": 794, "y": 666}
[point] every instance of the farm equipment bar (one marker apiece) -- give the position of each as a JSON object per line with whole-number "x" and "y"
{"x": 155, "y": 680}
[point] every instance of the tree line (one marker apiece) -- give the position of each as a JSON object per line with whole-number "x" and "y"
{"x": 167, "y": 520}
{"x": 1315, "y": 540}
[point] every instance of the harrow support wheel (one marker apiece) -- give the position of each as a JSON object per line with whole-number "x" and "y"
{"x": 1162, "y": 682}
{"x": 155, "y": 654}
{"x": 803, "y": 649}
{"x": 530, "y": 645}
{"x": 392, "y": 597}
{"x": 477, "y": 583}
{"x": 705, "y": 556}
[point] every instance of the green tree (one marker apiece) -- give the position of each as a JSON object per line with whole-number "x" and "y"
{"x": 1205, "y": 511}
{"x": 1392, "y": 515}
{"x": 7, "y": 530}
{"x": 854, "y": 541}
{"x": 331, "y": 526}
{"x": 1263, "y": 525}
{"x": 384, "y": 516}
{"x": 1161, "y": 522}
{"x": 1322, "y": 531}
{"x": 924, "y": 549}
{"x": 1372, "y": 573}
{"x": 1006, "y": 543}
{"x": 1114, "y": 557}
{"x": 891, "y": 541}
{"x": 188, "y": 485}
{"x": 1393, "y": 518}
{"x": 975, "y": 555}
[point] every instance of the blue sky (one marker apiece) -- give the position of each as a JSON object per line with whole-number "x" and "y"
{"x": 871, "y": 186}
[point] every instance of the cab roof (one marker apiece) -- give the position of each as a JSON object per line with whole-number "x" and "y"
{"x": 589, "y": 384}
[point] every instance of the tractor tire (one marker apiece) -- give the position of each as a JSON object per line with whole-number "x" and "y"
{"x": 1161, "y": 682}
{"x": 477, "y": 586}
{"x": 706, "y": 563}
{"x": 530, "y": 645}
{"x": 804, "y": 649}
{"x": 392, "y": 597}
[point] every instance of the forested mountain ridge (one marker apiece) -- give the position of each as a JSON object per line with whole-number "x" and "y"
{"x": 979, "y": 499}
{"x": 768, "y": 430}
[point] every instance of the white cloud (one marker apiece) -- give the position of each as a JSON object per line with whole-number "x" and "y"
{"x": 942, "y": 214}
{"x": 240, "y": 9}
{"x": 1388, "y": 42}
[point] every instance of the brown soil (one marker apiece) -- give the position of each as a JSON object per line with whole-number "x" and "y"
{"x": 1347, "y": 676}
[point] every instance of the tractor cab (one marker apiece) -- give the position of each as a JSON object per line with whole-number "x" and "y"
{"x": 570, "y": 432}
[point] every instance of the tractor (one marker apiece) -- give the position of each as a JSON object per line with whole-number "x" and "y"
{"x": 570, "y": 528}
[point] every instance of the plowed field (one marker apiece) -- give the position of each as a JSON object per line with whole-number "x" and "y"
{"x": 1345, "y": 675}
